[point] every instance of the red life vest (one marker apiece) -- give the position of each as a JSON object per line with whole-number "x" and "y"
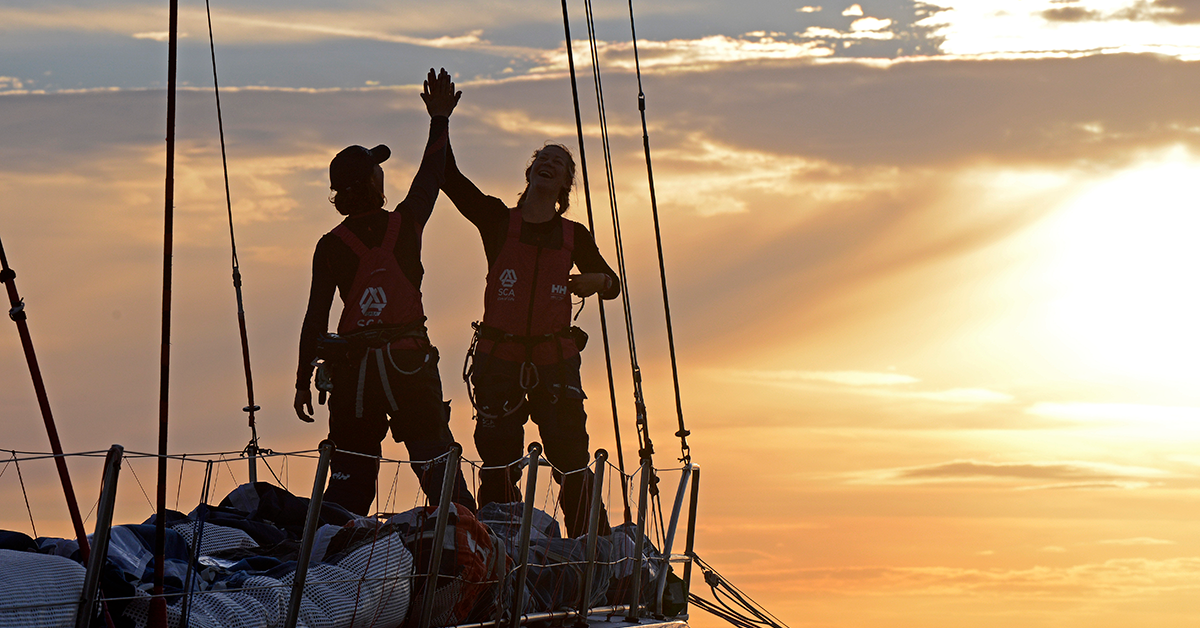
{"x": 380, "y": 294}
{"x": 527, "y": 297}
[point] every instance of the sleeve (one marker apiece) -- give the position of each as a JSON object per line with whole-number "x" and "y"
{"x": 587, "y": 259}
{"x": 423, "y": 192}
{"x": 316, "y": 317}
{"x": 487, "y": 213}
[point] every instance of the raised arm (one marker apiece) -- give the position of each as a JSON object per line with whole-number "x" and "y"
{"x": 440, "y": 99}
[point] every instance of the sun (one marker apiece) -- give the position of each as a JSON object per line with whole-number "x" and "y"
{"x": 1124, "y": 266}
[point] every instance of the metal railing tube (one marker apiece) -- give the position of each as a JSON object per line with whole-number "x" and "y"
{"x": 585, "y": 597}
{"x": 197, "y": 538}
{"x": 310, "y": 529}
{"x": 449, "y": 474}
{"x": 639, "y": 542}
{"x": 252, "y": 459}
{"x": 690, "y": 544}
{"x": 99, "y": 554}
{"x": 676, "y": 510}
{"x": 535, "y": 452}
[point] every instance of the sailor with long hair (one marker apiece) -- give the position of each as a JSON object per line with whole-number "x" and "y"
{"x": 524, "y": 362}
{"x": 381, "y": 367}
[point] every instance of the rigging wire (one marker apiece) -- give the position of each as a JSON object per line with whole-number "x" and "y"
{"x": 646, "y": 445}
{"x": 683, "y": 433}
{"x": 252, "y": 449}
{"x": 24, "y": 492}
{"x": 643, "y": 425}
{"x": 747, "y": 614}
{"x": 587, "y": 196}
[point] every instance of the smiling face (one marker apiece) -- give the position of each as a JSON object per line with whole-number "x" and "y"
{"x": 552, "y": 169}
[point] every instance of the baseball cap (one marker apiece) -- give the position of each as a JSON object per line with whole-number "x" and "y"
{"x": 355, "y": 164}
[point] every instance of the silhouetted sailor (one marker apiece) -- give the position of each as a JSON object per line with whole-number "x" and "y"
{"x": 380, "y": 369}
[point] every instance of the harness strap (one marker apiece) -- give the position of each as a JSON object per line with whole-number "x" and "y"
{"x": 362, "y": 380}
{"x": 360, "y": 249}
{"x": 495, "y": 334}
{"x": 383, "y": 378}
{"x": 375, "y": 336}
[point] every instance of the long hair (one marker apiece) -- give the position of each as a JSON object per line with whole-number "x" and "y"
{"x": 564, "y": 195}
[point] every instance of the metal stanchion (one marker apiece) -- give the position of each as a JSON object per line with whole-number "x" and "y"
{"x": 639, "y": 542}
{"x": 449, "y": 475}
{"x": 585, "y": 597}
{"x": 535, "y": 453}
{"x": 310, "y": 529}
{"x": 104, "y": 517}
{"x": 691, "y": 536}
{"x": 670, "y": 540}
{"x": 197, "y": 539}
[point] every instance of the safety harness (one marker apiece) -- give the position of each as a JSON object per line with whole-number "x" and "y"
{"x": 526, "y": 290}
{"x": 387, "y": 315}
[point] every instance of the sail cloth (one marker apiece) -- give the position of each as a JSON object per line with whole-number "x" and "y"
{"x": 38, "y": 589}
{"x": 361, "y": 574}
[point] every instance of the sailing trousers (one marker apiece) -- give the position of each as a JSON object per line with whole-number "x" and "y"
{"x": 421, "y": 421}
{"x": 555, "y": 404}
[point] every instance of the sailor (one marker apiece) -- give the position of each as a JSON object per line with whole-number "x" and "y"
{"x": 380, "y": 369}
{"x": 525, "y": 359}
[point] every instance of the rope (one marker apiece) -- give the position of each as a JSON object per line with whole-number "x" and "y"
{"x": 587, "y": 196}
{"x": 683, "y": 433}
{"x": 251, "y": 408}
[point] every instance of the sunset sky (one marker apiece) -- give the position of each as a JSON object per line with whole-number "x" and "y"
{"x": 932, "y": 266}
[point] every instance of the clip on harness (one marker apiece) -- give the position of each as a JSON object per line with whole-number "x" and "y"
{"x": 528, "y": 379}
{"x": 377, "y": 343}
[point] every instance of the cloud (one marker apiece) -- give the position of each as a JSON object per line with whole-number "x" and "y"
{"x": 1140, "y": 540}
{"x": 992, "y": 27}
{"x": 160, "y": 36}
{"x": 869, "y": 384}
{"x": 1125, "y": 578}
{"x": 1080, "y": 474}
{"x": 848, "y": 378}
{"x": 1169, "y": 11}
{"x": 1179, "y": 416}
{"x": 1070, "y": 14}
{"x": 685, "y": 55}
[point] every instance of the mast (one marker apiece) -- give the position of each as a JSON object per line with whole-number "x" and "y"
{"x": 158, "y": 605}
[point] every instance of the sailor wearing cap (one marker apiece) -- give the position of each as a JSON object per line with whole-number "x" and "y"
{"x": 379, "y": 369}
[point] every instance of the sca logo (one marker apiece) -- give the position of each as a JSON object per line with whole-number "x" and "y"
{"x": 372, "y": 302}
{"x": 508, "y": 279}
